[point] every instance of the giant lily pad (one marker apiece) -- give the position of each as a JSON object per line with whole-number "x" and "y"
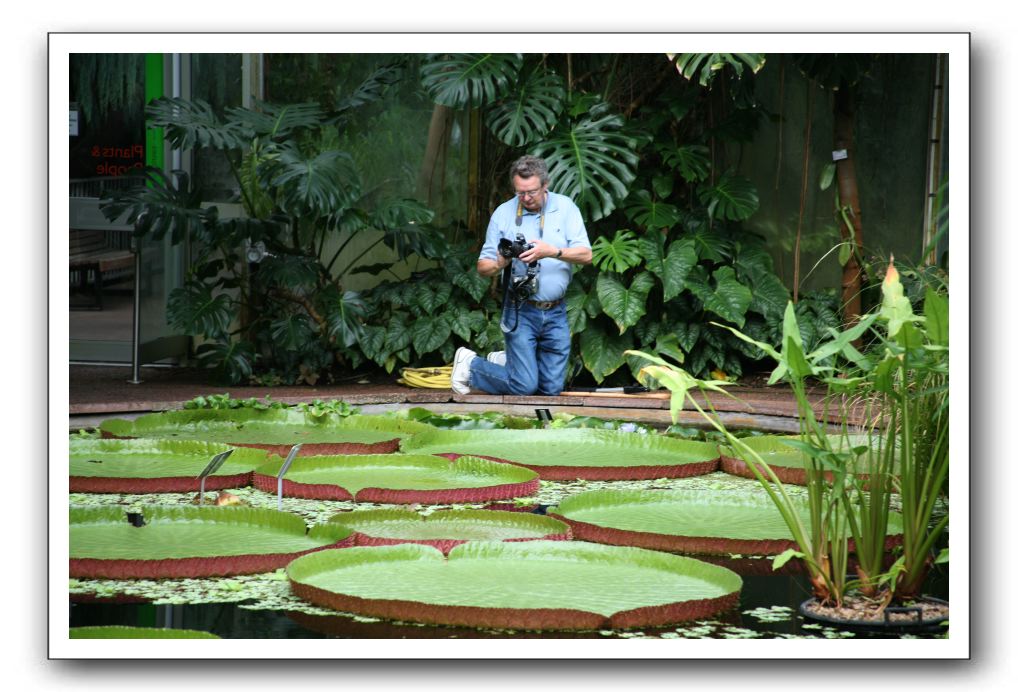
{"x": 570, "y": 454}
{"x": 684, "y": 521}
{"x": 121, "y": 632}
{"x": 398, "y": 478}
{"x": 156, "y": 466}
{"x": 274, "y": 430}
{"x": 535, "y": 585}
{"x": 191, "y": 541}
{"x": 789, "y": 463}
{"x": 445, "y": 529}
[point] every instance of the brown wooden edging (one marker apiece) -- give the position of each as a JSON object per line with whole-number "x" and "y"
{"x": 190, "y": 567}
{"x": 602, "y": 473}
{"x": 516, "y": 618}
{"x": 318, "y": 491}
{"x": 168, "y": 484}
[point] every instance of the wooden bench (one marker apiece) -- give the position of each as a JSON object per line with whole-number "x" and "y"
{"x": 93, "y": 260}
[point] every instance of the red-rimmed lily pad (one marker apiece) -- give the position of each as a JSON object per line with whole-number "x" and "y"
{"x": 178, "y": 542}
{"x": 789, "y": 463}
{"x": 570, "y": 454}
{"x": 122, "y": 632}
{"x": 274, "y": 430}
{"x": 685, "y": 521}
{"x": 156, "y": 466}
{"x": 398, "y": 479}
{"x": 445, "y": 529}
{"x": 536, "y": 585}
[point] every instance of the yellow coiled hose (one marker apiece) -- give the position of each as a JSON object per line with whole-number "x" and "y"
{"x": 428, "y": 378}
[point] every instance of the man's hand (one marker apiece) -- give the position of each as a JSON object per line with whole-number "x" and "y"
{"x": 540, "y": 250}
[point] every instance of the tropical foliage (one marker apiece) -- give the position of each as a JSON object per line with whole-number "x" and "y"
{"x": 899, "y": 386}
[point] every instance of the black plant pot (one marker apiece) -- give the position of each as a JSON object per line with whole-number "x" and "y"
{"x": 916, "y": 623}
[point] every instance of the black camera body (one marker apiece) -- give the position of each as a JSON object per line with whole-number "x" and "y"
{"x": 522, "y": 287}
{"x": 512, "y": 249}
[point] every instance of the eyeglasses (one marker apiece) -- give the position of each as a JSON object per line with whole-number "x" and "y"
{"x": 529, "y": 194}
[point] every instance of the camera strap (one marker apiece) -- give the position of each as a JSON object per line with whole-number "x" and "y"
{"x": 507, "y": 296}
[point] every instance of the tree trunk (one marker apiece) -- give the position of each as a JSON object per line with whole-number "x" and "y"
{"x": 434, "y": 154}
{"x": 848, "y": 193}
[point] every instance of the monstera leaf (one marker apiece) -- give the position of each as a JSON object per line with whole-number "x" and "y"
{"x": 319, "y": 185}
{"x": 277, "y": 122}
{"x": 618, "y": 254}
{"x": 703, "y": 66}
{"x": 645, "y": 211}
{"x": 692, "y": 161}
{"x": 469, "y": 80}
{"x": 530, "y": 111}
{"x": 733, "y": 198}
{"x": 190, "y": 124}
{"x": 592, "y": 160}
{"x": 192, "y": 309}
{"x": 161, "y": 206}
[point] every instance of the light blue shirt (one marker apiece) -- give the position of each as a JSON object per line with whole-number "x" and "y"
{"x": 563, "y": 228}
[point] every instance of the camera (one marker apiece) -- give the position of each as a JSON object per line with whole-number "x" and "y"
{"x": 513, "y": 248}
{"x": 521, "y": 287}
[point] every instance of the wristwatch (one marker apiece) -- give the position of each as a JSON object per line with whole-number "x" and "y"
{"x": 559, "y": 255}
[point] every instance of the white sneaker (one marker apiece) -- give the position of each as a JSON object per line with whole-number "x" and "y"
{"x": 461, "y": 370}
{"x": 496, "y": 357}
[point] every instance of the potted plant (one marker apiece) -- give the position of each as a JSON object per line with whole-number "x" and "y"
{"x": 900, "y": 385}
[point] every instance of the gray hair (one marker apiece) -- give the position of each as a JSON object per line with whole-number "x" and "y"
{"x": 527, "y": 167}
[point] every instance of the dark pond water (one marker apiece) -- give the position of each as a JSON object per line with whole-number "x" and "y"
{"x": 230, "y": 621}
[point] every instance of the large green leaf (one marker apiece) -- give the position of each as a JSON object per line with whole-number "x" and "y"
{"x": 781, "y": 451}
{"x": 156, "y": 458}
{"x": 593, "y": 161}
{"x": 163, "y": 204}
{"x": 429, "y": 296}
{"x": 450, "y": 524}
{"x": 192, "y": 309}
{"x": 692, "y": 160}
{"x": 291, "y": 332}
{"x": 464, "y": 323}
{"x": 645, "y": 211}
{"x": 187, "y": 532}
{"x": 518, "y": 584}
{"x": 429, "y": 333}
{"x": 394, "y": 472}
{"x": 252, "y": 426}
{"x": 530, "y": 111}
{"x": 935, "y": 310}
{"x": 601, "y": 351}
{"x": 727, "y": 297}
{"x": 320, "y": 185}
{"x": 703, "y": 66}
{"x": 618, "y": 254}
{"x": 672, "y": 268}
{"x": 190, "y": 124}
{"x": 732, "y": 198}
{"x": 370, "y": 90}
{"x": 682, "y": 513}
{"x": 278, "y": 121}
{"x": 578, "y": 448}
{"x": 469, "y": 80}
{"x": 344, "y": 313}
{"x": 124, "y": 632}
{"x": 624, "y": 305}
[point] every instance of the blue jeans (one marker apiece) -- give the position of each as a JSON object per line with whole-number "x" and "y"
{"x": 537, "y": 354}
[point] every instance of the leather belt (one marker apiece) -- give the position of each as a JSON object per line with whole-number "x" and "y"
{"x": 544, "y": 304}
